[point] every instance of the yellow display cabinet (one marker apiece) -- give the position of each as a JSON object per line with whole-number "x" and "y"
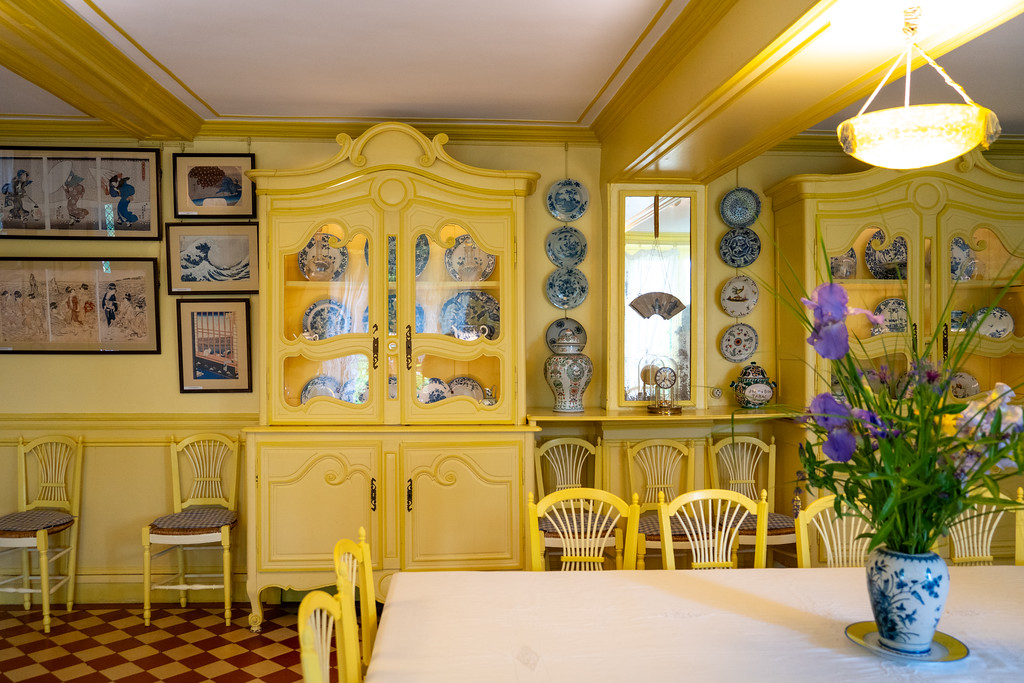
{"x": 931, "y": 250}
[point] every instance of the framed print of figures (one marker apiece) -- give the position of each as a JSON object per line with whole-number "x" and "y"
{"x": 78, "y": 305}
{"x": 205, "y": 257}
{"x": 213, "y": 186}
{"x": 103, "y": 193}
{"x": 213, "y": 345}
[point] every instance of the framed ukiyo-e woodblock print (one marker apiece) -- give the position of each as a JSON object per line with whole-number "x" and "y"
{"x": 79, "y": 193}
{"x": 208, "y": 257}
{"x": 78, "y": 306}
{"x": 213, "y": 345}
{"x": 213, "y": 186}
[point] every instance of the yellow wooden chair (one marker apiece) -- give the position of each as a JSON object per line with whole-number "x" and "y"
{"x": 207, "y": 466}
{"x": 657, "y": 467}
{"x": 583, "y": 523}
{"x": 50, "y": 468}
{"x": 746, "y": 464}
{"x": 971, "y": 534}
{"x": 841, "y": 540}
{"x": 570, "y": 462}
{"x": 707, "y": 523}
{"x": 323, "y": 617}
{"x": 354, "y": 563}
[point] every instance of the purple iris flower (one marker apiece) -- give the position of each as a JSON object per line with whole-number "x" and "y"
{"x": 876, "y": 428}
{"x": 834, "y": 417}
{"x": 829, "y": 336}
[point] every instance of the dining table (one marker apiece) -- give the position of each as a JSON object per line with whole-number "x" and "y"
{"x": 695, "y": 625}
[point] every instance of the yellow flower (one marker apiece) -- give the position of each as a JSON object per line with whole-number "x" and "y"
{"x": 948, "y": 425}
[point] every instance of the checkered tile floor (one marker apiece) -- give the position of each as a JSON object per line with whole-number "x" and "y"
{"x": 182, "y": 646}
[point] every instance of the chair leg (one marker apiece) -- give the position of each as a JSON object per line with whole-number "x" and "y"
{"x": 72, "y": 570}
{"x": 26, "y": 578}
{"x": 43, "y": 543}
{"x": 183, "y": 599}
{"x": 225, "y": 539}
{"x": 146, "y": 577}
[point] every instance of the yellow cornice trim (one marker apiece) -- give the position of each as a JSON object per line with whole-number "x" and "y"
{"x": 74, "y": 62}
{"x": 684, "y": 34}
{"x": 58, "y": 128}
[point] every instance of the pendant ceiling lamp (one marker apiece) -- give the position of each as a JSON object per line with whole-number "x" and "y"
{"x": 919, "y": 135}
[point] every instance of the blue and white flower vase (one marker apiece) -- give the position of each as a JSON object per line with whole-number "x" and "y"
{"x": 908, "y": 594}
{"x": 568, "y": 372}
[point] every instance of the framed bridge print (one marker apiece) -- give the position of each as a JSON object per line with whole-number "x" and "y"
{"x": 213, "y": 345}
{"x": 213, "y": 186}
{"x": 79, "y": 193}
{"x": 205, "y": 258}
{"x": 78, "y": 306}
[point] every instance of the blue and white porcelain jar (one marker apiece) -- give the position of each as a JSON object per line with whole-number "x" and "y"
{"x": 568, "y": 372}
{"x": 908, "y": 594}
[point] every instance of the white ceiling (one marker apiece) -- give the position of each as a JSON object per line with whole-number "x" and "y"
{"x": 556, "y": 64}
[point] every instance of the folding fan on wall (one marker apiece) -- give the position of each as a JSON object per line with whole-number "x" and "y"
{"x": 657, "y": 303}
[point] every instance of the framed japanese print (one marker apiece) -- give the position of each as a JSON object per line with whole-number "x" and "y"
{"x": 91, "y": 193}
{"x": 78, "y": 305}
{"x": 213, "y": 186}
{"x": 209, "y": 257}
{"x": 213, "y": 345}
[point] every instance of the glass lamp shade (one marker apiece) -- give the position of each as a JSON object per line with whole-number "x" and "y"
{"x": 919, "y": 135}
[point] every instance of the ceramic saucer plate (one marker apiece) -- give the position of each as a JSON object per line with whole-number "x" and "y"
{"x": 466, "y": 262}
{"x": 567, "y": 288}
{"x": 740, "y": 207}
{"x": 739, "y": 296}
{"x": 355, "y": 390}
{"x": 551, "y": 336}
{"x": 321, "y": 385}
{"x": 326, "y": 318}
{"x": 844, "y": 267}
{"x": 323, "y": 258}
{"x": 434, "y": 390}
{"x": 471, "y": 309}
{"x": 945, "y": 648}
{"x": 958, "y": 321}
{"x": 894, "y": 312}
{"x": 466, "y": 386}
{"x": 566, "y": 246}
{"x": 740, "y": 247}
{"x": 738, "y": 343}
{"x": 568, "y": 200}
{"x": 393, "y": 316}
{"x": 995, "y": 322}
{"x": 889, "y": 263}
{"x": 963, "y": 385}
{"x": 961, "y": 260}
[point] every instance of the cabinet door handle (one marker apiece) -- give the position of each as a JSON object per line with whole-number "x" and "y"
{"x": 945, "y": 341}
{"x": 373, "y": 494}
{"x": 408, "y": 347}
{"x": 376, "y": 346}
{"x": 408, "y": 496}
{"x": 913, "y": 340}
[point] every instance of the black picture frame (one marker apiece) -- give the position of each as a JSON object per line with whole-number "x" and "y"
{"x": 210, "y": 185}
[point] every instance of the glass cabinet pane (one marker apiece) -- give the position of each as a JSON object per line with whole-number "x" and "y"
{"x": 345, "y": 378}
{"x": 440, "y": 379}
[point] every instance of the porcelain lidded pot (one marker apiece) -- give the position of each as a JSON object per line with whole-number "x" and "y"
{"x": 753, "y": 388}
{"x": 568, "y": 372}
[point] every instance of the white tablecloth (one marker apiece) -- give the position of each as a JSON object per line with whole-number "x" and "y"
{"x": 724, "y": 625}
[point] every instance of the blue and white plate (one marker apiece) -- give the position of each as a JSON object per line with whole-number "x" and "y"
{"x": 568, "y": 200}
{"x": 740, "y": 247}
{"x": 326, "y": 318}
{"x": 393, "y": 316}
{"x": 466, "y": 386}
{"x": 551, "y": 336}
{"x": 466, "y": 262}
{"x": 422, "y": 253}
{"x": 738, "y": 343}
{"x": 567, "y": 288}
{"x": 845, "y": 266}
{"x": 889, "y": 263}
{"x": 958, "y": 321}
{"x": 355, "y": 390}
{"x": 323, "y": 258}
{"x": 964, "y": 385}
{"x": 996, "y": 324}
{"x": 321, "y": 385}
{"x": 894, "y": 312}
{"x": 740, "y": 207}
{"x": 434, "y": 390}
{"x": 566, "y": 246}
{"x": 961, "y": 260}
{"x": 471, "y": 309}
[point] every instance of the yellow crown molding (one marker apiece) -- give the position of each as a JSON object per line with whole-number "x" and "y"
{"x": 58, "y": 128}
{"x": 457, "y": 131}
{"x": 48, "y": 44}
{"x": 826, "y": 142}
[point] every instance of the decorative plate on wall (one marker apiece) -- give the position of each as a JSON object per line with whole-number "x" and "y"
{"x": 738, "y": 343}
{"x": 740, "y": 207}
{"x": 568, "y": 200}
{"x": 740, "y": 247}
{"x": 319, "y": 260}
{"x": 551, "y": 336}
{"x": 567, "y": 288}
{"x": 739, "y": 296}
{"x": 889, "y": 263}
{"x": 467, "y": 262}
{"x": 566, "y": 246}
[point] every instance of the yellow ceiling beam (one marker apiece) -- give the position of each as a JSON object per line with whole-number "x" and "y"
{"x": 47, "y": 43}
